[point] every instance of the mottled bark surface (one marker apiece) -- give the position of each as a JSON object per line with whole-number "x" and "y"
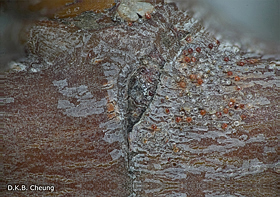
{"x": 199, "y": 120}
{"x": 56, "y": 127}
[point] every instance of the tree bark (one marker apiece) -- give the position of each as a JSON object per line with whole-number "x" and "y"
{"x": 158, "y": 107}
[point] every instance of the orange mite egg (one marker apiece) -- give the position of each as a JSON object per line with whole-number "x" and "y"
{"x": 225, "y": 110}
{"x": 110, "y": 107}
{"x": 231, "y": 104}
{"x": 236, "y": 78}
{"x": 218, "y": 42}
{"x": 178, "y": 119}
{"x": 148, "y": 16}
{"x": 224, "y": 125}
{"x": 175, "y": 149}
{"x": 188, "y": 119}
{"x": 199, "y": 81}
{"x": 243, "y": 116}
{"x": 226, "y": 59}
{"x": 153, "y": 127}
{"x": 198, "y": 49}
{"x": 182, "y": 84}
{"x": 193, "y": 59}
{"x": 192, "y": 77}
{"x": 167, "y": 111}
{"x": 188, "y": 39}
{"x": 241, "y": 63}
{"x": 238, "y": 88}
{"x": 210, "y": 46}
{"x": 190, "y": 50}
{"x": 202, "y": 112}
{"x": 187, "y": 59}
{"x": 229, "y": 73}
{"x": 218, "y": 114}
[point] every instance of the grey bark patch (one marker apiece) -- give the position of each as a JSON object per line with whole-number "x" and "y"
{"x": 141, "y": 90}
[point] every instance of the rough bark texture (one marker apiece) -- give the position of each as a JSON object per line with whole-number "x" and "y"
{"x": 199, "y": 120}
